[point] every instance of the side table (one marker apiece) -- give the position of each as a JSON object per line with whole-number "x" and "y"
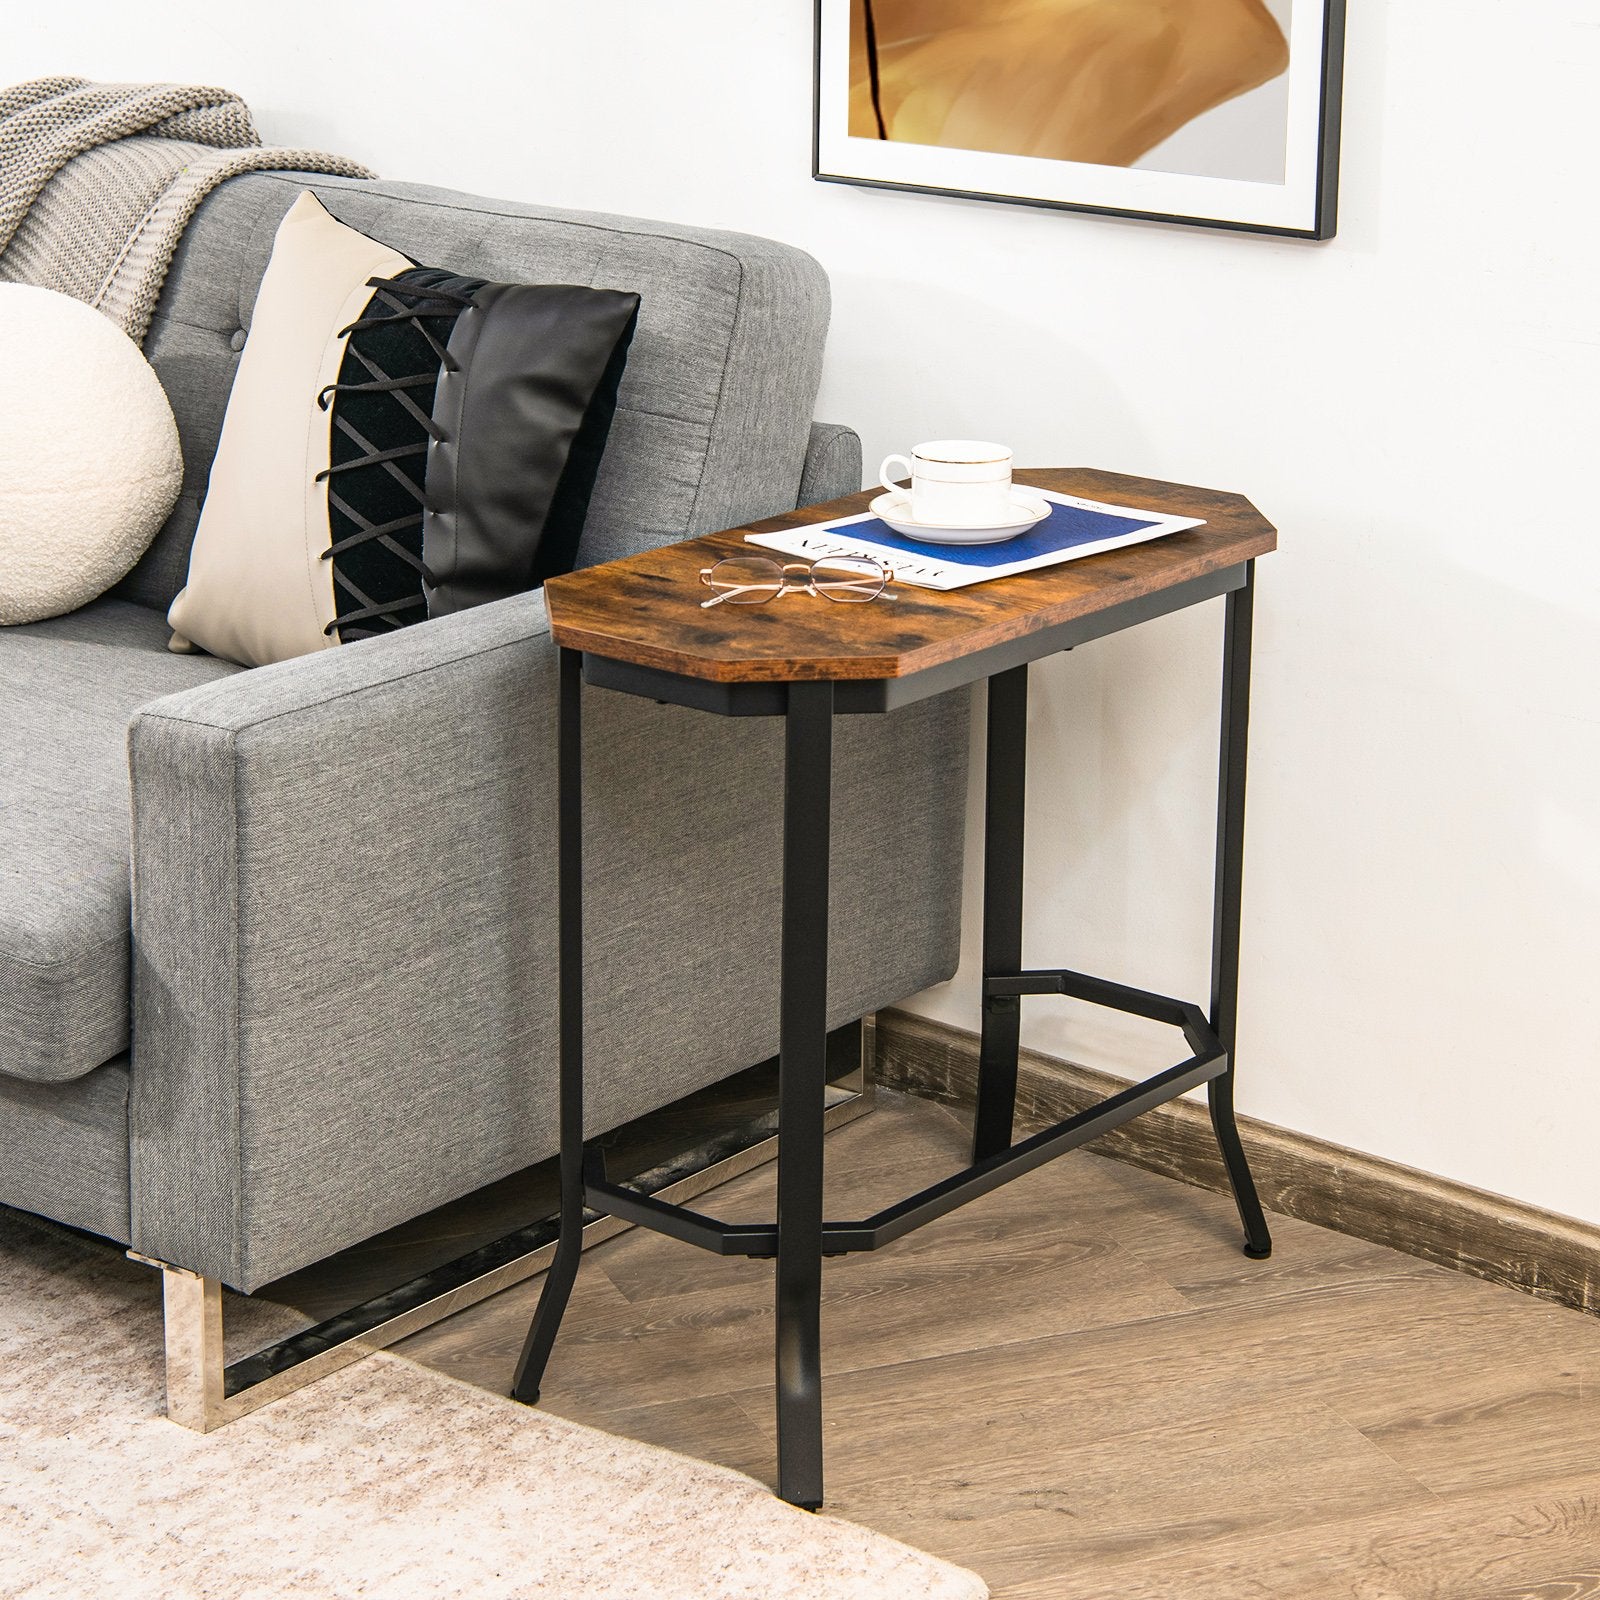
{"x": 636, "y": 626}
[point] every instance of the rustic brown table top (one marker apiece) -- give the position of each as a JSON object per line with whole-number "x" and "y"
{"x": 646, "y": 609}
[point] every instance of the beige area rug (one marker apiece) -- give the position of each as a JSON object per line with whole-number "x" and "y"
{"x": 387, "y": 1480}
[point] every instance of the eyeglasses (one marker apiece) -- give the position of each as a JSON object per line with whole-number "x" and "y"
{"x": 753, "y": 580}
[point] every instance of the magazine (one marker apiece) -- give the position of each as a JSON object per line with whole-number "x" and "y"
{"x": 1074, "y": 528}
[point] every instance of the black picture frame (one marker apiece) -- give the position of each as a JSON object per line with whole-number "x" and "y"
{"x": 1316, "y": 194}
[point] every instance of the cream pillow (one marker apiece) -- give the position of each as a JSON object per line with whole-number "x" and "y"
{"x": 259, "y": 589}
{"x": 89, "y": 459}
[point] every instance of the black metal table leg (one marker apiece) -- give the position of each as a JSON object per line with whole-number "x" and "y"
{"x": 802, "y": 1074}
{"x": 1227, "y": 903}
{"x": 1005, "y": 792}
{"x": 569, "y": 897}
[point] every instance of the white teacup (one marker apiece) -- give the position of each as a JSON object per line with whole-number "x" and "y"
{"x": 955, "y": 483}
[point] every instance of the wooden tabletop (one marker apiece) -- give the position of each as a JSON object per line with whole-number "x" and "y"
{"x": 646, "y": 609}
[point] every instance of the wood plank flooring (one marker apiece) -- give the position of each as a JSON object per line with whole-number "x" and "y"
{"x": 1080, "y": 1387}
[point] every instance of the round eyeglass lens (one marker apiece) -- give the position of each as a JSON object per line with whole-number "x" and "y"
{"x": 745, "y": 580}
{"x": 849, "y": 578}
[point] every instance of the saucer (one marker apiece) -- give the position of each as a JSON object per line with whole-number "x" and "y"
{"x": 1027, "y": 511}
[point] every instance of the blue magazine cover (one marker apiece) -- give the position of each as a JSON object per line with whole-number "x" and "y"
{"x": 1074, "y": 528}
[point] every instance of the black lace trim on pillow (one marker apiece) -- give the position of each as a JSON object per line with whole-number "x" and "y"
{"x": 380, "y": 429}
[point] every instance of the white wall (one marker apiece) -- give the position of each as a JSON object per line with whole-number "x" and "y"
{"x": 1413, "y": 405}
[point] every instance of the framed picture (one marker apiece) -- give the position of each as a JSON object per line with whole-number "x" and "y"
{"x": 1223, "y": 113}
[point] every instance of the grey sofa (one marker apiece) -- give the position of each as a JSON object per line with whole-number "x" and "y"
{"x": 322, "y": 1002}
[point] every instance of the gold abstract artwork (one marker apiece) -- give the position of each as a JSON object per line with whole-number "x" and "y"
{"x": 1101, "y": 81}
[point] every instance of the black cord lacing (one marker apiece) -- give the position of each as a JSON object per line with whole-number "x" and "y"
{"x": 406, "y": 302}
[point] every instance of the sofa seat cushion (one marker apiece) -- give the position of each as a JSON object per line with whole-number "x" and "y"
{"x": 64, "y": 1149}
{"x": 67, "y": 690}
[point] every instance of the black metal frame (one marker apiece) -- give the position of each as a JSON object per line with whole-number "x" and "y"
{"x": 1326, "y": 204}
{"x": 799, "y": 1237}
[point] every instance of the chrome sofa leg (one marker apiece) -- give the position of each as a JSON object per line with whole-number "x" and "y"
{"x": 192, "y": 1317}
{"x": 192, "y": 1308}
{"x": 204, "y": 1393}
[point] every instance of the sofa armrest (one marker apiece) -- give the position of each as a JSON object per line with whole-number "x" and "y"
{"x": 833, "y": 463}
{"x": 307, "y": 838}
{"x": 345, "y": 936}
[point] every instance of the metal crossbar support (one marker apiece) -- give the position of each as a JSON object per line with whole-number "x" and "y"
{"x": 1046, "y": 1145}
{"x": 1061, "y": 980}
{"x": 678, "y": 1222}
{"x": 1183, "y": 1014}
{"x": 894, "y": 1222}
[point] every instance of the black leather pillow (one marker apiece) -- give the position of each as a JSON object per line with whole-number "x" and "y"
{"x": 467, "y": 426}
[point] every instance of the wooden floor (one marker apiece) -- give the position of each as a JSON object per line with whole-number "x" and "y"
{"x": 1080, "y": 1387}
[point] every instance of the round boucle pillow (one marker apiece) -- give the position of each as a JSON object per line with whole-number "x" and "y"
{"x": 89, "y": 459}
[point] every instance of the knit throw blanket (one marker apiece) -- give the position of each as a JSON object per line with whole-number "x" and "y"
{"x": 99, "y": 180}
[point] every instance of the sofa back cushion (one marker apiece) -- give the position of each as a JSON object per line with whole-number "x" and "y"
{"x": 715, "y": 406}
